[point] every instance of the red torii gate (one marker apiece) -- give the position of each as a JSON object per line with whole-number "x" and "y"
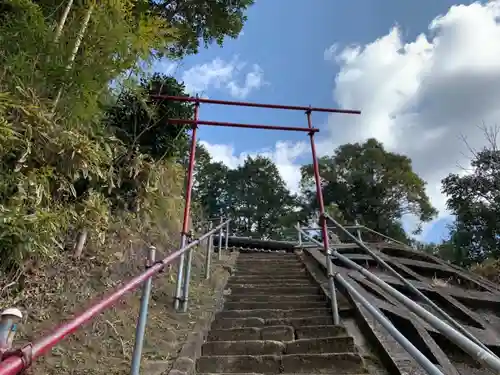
{"x": 23, "y": 358}
{"x": 195, "y": 122}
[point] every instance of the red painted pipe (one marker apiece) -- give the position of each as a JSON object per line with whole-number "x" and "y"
{"x": 258, "y": 105}
{"x": 245, "y": 126}
{"x": 14, "y": 364}
{"x": 190, "y": 170}
{"x": 319, "y": 190}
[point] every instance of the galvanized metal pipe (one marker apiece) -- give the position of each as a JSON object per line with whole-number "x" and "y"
{"x": 358, "y": 232}
{"x": 384, "y": 236}
{"x": 331, "y": 283}
{"x": 421, "y": 359}
{"x": 187, "y": 280}
{"x": 227, "y": 235}
{"x": 180, "y": 275}
{"x": 347, "y": 227}
{"x": 208, "y": 257}
{"x": 410, "y": 286}
{"x": 143, "y": 318}
{"x": 220, "y": 241}
{"x": 469, "y": 346}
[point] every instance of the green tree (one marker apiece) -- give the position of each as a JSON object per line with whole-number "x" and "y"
{"x": 254, "y": 195}
{"x": 369, "y": 184}
{"x": 191, "y": 22}
{"x": 260, "y": 202}
{"x": 145, "y": 134}
{"x": 143, "y": 126}
{"x": 211, "y": 188}
{"x": 201, "y": 21}
{"x": 474, "y": 199}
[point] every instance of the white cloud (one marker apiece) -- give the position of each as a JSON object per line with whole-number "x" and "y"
{"x": 419, "y": 97}
{"x": 224, "y": 75}
{"x": 284, "y": 156}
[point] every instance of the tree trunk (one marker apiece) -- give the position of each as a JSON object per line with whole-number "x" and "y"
{"x": 62, "y": 21}
{"x": 76, "y": 47}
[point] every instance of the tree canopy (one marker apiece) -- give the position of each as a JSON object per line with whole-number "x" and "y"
{"x": 369, "y": 184}
{"x": 254, "y": 195}
{"x": 474, "y": 199}
{"x": 81, "y": 145}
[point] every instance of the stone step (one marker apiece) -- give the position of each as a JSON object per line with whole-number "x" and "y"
{"x": 268, "y": 258}
{"x": 276, "y": 290}
{"x": 267, "y": 285}
{"x": 263, "y": 256}
{"x": 263, "y": 262}
{"x": 341, "y": 344}
{"x": 278, "y": 333}
{"x": 336, "y": 363}
{"x": 268, "y": 265}
{"x": 227, "y": 323}
{"x": 274, "y": 314}
{"x": 269, "y": 278}
{"x": 289, "y": 275}
{"x": 320, "y": 331}
{"x": 275, "y": 298}
{"x": 277, "y": 260}
{"x": 273, "y": 305}
{"x": 305, "y": 373}
{"x": 265, "y": 271}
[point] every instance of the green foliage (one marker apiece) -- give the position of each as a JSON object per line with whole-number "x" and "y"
{"x": 369, "y": 184}
{"x": 143, "y": 125}
{"x": 201, "y": 20}
{"x": 474, "y": 199}
{"x": 42, "y": 160}
{"x": 254, "y": 195}
{"x": 75, "y": 156}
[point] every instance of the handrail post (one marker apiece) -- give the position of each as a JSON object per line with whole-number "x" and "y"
{"x": 143, "y": 317}
{"x": 187, "y": 279}
{"x": 324, "y": 230}
{"x": 220, "y": 239}
{"x": 300, "y": 235}
{"x": 358, "y": 232}
{"x": 208, "y": 258}
{"x": 227, "y": 235}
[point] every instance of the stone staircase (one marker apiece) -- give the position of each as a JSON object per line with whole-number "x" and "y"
{"x": 276, "y": 320}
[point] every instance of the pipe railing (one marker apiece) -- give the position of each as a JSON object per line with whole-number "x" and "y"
{"x": 469, "y": 346}
{"x": 16, "y": 361}
{"x": 409, "y": 285}
{"x": 420, "y": 358}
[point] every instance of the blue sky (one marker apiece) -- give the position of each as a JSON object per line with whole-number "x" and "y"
{"x": 280, "y": 58}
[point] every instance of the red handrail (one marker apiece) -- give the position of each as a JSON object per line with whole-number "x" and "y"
{"x": 15, "y": 363}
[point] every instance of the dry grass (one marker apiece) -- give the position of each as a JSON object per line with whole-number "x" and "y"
{"x": 489, "y": 269}
{"x": 51, "y": 293}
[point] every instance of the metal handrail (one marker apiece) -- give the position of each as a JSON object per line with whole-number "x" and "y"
{"x": 23, "y": 358}
{"x": 411, "y": 287}
{"x": 420, "y": 358}
{"x": 385, "y": 236}
{"x": 468, "y": 345}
